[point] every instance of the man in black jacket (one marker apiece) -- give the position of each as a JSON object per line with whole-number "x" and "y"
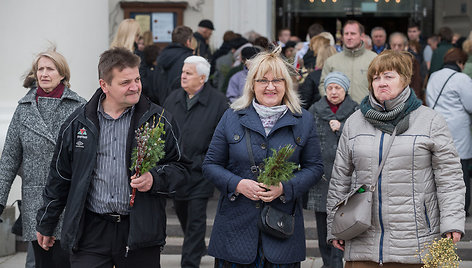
{"x": 197, "y": 107}
{"x": 170, "y": 62}
{"x": 203, "y": 34}
{"x": 90, "y": 175}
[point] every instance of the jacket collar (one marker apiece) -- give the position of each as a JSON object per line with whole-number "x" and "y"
{"x": 250, "y": 119}
{"x": 354, "y": 52}
{"x": 203, "y": 95}
{"x": 345, "y": 109}
{"x": 35, "y": 121}
{"x": 31, "y": 96}
{"x": 91, "y": 107}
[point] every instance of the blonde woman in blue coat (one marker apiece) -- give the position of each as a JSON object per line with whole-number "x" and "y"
{"x": 270, "y": 112}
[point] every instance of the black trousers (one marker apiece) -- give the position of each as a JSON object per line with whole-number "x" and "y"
{"x": 192, "y": 217}
{"x": 465, "y": 170}
{"x": 103, "y": 245}
{"x": 55, "y": 257}
{"x": 332, "y": 257}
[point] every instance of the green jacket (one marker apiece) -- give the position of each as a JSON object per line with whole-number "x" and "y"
{"x": 438, "y": 55}
{"x": 468, "y": 66}
{"x": 354, "y": 64}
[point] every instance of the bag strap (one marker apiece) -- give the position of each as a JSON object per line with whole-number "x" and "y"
{"x": 382, "y": 163}
{"x": 254, "y": 168}
{"x": 440, "y": 92}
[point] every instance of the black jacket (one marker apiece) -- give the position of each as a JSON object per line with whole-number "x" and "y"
{"x": 169, "y": 68}
{"x": 203, "y": 48}
{"x": 74, "y": 161}
{"x": 309, "y": 92}
{"x": 197, "y": 126}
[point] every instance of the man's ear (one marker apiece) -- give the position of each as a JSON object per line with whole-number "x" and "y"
{"x": 103, "y": 85}
{"x": 189, "y": 43}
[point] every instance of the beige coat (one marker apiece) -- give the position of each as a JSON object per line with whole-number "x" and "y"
{"x": 354, "y": 64}
{"x": 420, "y": 193}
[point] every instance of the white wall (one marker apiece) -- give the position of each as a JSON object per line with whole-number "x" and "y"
{"x": 243, "y": 16}
{"x": 240, "y": 16}
{"x": 79, "y": 29}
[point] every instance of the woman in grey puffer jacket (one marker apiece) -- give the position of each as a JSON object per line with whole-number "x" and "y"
{"x": 30, "y": 143}
{"x": 420, "y": 192}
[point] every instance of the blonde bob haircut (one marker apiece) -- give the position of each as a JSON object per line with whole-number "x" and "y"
{"x": 389, "y": 60}
{"x": 126, "y": 35}
{"x": 58, "y": 60}
{"x": 263, "y": 63}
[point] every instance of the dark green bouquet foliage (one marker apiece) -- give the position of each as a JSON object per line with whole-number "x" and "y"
{"x": 150, "y": 147}
{"x": 277, "y": 168}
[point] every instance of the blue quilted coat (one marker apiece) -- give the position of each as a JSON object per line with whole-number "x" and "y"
{"x": 235, "y": 234}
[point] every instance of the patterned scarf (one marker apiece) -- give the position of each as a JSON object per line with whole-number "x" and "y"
{"x": 391, "y": 113}
{"x": 269, "y": 115}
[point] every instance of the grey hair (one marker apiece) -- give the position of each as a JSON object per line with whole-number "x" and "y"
{"x": 201, "y": 65}
{"x": 378, "y": 28}
{"x": 402, "y": 35}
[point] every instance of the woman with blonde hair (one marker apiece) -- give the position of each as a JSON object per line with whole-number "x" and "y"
{"x": 267, "y": 116}
{"x": 127, "y": 35}
{"x": 30, "y": 143}
{"x": 309, "y": 92}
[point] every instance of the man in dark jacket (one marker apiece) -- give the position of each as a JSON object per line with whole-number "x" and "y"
{"x": 90, "y": 174}
{"x": 170, "y": 62}
{"x": 203, "y": 34}
{"x": 197, "y": 108}
{"x": 445, "y": 33}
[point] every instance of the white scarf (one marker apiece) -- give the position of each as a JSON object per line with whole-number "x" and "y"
{"x": 269, "y": 115}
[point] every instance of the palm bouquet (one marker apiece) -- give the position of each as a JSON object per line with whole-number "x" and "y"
{"x": 276, "y": 167}
{"x": 149, "y": 149}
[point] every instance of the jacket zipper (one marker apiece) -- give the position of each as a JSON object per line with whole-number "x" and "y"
{"x": 379, "y": 189}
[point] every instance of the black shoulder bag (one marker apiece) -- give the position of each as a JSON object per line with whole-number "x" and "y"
{"x": 272, "y": 221}
{"x": 440, "y": 92}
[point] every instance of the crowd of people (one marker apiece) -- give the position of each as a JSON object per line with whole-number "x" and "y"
{"x": 340, "y": 104}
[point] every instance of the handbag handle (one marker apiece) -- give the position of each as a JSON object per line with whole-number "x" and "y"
{"x": 254, "y": 168}
{"x": 382, "y": 163}
{"x": 440, "y": 92}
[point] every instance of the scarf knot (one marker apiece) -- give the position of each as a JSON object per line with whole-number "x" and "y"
{"x": 398, "y": 116}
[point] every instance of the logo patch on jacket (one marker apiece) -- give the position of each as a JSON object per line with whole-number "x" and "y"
{"x": 79, "y": 144}
{"x": 82, "y": 134}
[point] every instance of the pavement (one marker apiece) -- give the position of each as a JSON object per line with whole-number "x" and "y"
{"x": 167, "y": 261}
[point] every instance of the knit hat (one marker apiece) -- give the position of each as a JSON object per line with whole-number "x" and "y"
{"x": 206, "y": 24}
{"x": 337, "y": 78}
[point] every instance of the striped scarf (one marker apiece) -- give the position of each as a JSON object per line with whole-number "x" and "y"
{"x": 390, "y": 117}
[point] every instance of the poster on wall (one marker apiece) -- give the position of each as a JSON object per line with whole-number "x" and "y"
{"x": 162, "y": 25}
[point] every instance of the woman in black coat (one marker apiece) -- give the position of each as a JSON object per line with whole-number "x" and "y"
{"x": 330, "y": 113}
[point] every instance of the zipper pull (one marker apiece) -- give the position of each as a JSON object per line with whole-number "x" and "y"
{"x": 381, "y": 263}
{"x": 126, "y": 254}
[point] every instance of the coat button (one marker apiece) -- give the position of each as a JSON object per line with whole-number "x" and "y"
{"x": 236, "y": 137}
{"x": 299, "y": 140}
{"x": 263, "y": 146}
{"x": 258, "y": 205}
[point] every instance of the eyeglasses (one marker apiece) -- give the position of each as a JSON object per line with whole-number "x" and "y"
{"x": 276, "y": 82}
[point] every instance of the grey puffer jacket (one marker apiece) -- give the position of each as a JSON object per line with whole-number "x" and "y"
{"x": 28, "y": 150}
{"x": 419, "y": 194}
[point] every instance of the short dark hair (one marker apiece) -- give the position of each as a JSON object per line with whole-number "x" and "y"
{"x": 181, "y": 34}
{"x": 150, "y": 54}
{"x": 413, "y": 24}
{"x": 446, "y": 34}
{"x": 454, "y": 55}
{"x": 361, "y": 27}
{"x": 284, "y": 29}
{"x": 117, "y": 57}
{"x": 315, "y": 29}
{"x": 262, "y": 42}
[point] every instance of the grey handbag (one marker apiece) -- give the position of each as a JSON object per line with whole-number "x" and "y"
{"x": 353, "y": 214}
